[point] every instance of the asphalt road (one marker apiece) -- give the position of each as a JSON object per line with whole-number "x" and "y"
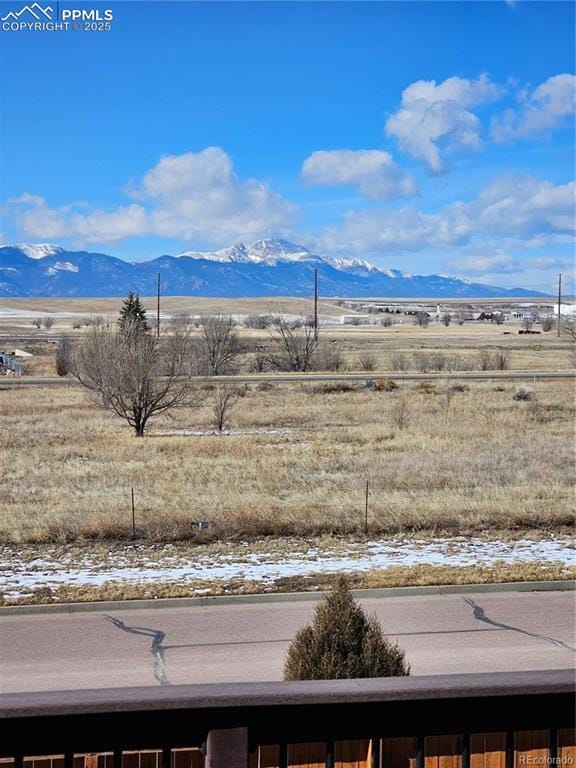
{"x": 247, "y": 643}
{"x": 7, "y": 382}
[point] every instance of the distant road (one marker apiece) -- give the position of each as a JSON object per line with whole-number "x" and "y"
{"x": 291, "y": 378}
{"x": 441, "y": 634}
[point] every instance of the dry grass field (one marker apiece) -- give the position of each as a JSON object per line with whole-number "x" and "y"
{"x": 295, "y": 463}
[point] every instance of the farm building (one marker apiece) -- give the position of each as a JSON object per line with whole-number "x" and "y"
{"x": 11, "y": 362}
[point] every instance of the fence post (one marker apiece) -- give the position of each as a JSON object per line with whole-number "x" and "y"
{"x": 227, "y": 748}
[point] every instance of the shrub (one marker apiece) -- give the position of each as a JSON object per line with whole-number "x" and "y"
{"x": 334, "y": 388}
{"x": 425, "y": 388}
{"x": 524, "y": 393}
{"x": 367, "y": 361}
{"x": 400, "y": 362}
{"x": 342, "y": 643}
{"x": 400, "y": 414}
{"x": 501, "y": 359}
{"x": 63, "y": 357}
{"x": 384, "y": 385}
{"x": 328, "y": 357}
{"x": 422, "y": 362}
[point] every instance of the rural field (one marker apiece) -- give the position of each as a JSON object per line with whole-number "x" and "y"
{"x": 444, "y": 459}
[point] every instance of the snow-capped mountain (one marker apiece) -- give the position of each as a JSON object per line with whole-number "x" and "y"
{"x": 264, "y": 268}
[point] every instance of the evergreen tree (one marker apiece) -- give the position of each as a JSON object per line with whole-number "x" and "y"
{"x": 132, "y": 318}
{"x": 342, "y": 642}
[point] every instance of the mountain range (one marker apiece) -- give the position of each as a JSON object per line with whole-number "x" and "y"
{"x": 264, "y": 268}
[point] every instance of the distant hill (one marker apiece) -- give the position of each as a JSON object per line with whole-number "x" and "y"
{"x": 264, "y": 268}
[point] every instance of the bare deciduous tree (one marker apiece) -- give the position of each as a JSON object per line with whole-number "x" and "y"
{"x": 132, "y": 375}
{"x": 422, "y": 319}
{"x": 400, "y": 415}
{"x": 527, "y": 324}
{"x": 219, "y": 346}
{"x": 446, "y": 319}
{"x": 547, "y": 323}
{"x": 367, "y": 361}
{"x": 47, "y": 322}
{"x": 37, "y": 322}
{"x": 291, "y": 348}
{"x": 568, "y": 327}
{"x": 64, "y": 357}
{"x": 225, "y": 398}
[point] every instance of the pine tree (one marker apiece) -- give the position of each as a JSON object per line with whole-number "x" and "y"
{"x": 132, "y": 318}
{"x": 342, "y": 642}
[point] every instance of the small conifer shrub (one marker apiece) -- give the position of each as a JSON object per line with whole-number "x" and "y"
{"x": 342, "y": 642}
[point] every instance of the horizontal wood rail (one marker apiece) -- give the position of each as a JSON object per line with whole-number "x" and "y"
{"x": 447, "y": 721}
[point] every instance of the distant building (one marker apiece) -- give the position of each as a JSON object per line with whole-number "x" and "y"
{"x": 11, "y": 362}
{"x": 356, "y": 319}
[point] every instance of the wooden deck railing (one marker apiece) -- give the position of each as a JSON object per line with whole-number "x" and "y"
{"x": 510, "y": 720}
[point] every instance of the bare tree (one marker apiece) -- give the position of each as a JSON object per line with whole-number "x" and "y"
{"x": 132, "y": 375}
{"x": 367, "y": 361}
{"x": 400, "y": 414}
{"x": 422, "y": 319}
{"x": 446, "y": 319}
{"x": 527, "y": 324}
{"x": 225, "y": 398}
{"x": 47, "y": 322}
{"x": 219, "y": 345}
{"x": 568, "y": 327}
{"x": 64, "y": 357}
{"x": 501, "y": 359}
{"x": 499, "y": 318}
{"x": 37, "y": 322}
{"x": 328, "y": 356}
{"x": 291, "y": 348}
{"x": 485, "y": 359}
{"x": 547, "y": 323}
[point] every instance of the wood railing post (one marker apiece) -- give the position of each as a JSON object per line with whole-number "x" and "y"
{"x": 227, "y": 748}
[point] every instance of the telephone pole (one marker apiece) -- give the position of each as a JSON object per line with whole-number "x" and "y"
{"x": 316, "y": 305}
{"x": 559, "y": 300}
{"x": 158, "y": 309}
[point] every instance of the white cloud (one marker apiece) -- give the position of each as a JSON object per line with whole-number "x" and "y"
{"x": 433, "y": 117}
{"x": 541, "y": 110}
{"x": 189, "y": 196}
{"x": 375, "y": 172}
{"x": 524, "y": 211}
{"x": 549, "y": 262}
{"x": 497, "y": 262}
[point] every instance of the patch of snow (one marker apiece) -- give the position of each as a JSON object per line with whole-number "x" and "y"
{"x": 170, "y": 564}
{"x": 38, "y": 250}
{"x": 66, "y": 266}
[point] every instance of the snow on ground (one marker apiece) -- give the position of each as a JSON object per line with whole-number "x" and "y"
{"x": 148, "y": 564}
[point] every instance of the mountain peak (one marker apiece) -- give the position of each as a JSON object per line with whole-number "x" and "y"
{"x": 37, "y": 250}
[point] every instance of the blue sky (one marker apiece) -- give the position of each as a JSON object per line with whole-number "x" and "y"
{"x": 429, "y": 136}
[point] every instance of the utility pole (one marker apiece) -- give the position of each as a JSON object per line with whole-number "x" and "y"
{"x": 559, "y": 300}
{"x": 315, "y": 305}
{"x": 158, "y": 309}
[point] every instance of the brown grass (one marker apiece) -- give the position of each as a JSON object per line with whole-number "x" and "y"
{"x": 295, "y": 463}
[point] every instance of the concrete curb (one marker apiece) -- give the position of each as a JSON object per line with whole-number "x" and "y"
{"x": 284, "y": 597}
